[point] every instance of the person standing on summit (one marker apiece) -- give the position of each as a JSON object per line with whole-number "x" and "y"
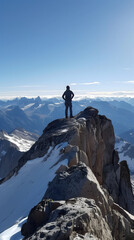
{"x": 68, "y": 96}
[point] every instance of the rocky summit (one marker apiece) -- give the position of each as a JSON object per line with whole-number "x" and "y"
{"x": 91, "y": 196}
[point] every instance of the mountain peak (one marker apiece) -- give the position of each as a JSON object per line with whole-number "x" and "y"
{"x": 77, "y": 155}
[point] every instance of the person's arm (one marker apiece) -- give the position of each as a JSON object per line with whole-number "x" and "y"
{"x": 63, "y": 96}
{"x": 72, "y": 95}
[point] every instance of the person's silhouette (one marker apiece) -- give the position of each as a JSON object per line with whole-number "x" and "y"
{"x": 68, "y": 96}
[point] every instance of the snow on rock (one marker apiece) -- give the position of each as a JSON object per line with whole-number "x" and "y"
{"x": 28, "y": 106}
{"x": 27, "y": 187}
{"x": 13, "y": 232}
{"x": 23, "y": 141}
{"x": 23, "y": 144}
{"x": 126, "y": 152}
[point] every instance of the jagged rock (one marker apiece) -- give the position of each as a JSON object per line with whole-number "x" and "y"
{"x": 90, "y": 132}
{"x": 62, "y": 168}
{"x": 126, "y": 199}
{"x": 39, "y": 215}
{"x": 76, "y": 216}
{"x": 77, "y": 181}
{"x": 80, "y": 218}
{"x": 111, "y": 183}
{"x": 93, "y": 172}
{"x": 91, "y": 140}
{"x": 83, "y": 157}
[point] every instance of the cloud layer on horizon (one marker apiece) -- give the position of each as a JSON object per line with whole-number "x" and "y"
{"x": 84, "y": 84}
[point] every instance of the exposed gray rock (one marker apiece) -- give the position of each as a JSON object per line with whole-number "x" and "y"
{"x": 77, "y": 181}
{"x": 91, "y": 140}
{"x": 126, "y": 199}
{"x": 75, "y": 219}
{"x": 93, "y": 172}
{"x": 91, "y": 133}
{"x": 76, "y": 216}
{"x": 119, "y": 185}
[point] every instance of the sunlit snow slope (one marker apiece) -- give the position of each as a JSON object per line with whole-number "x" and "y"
{"x": 27, "y": 188}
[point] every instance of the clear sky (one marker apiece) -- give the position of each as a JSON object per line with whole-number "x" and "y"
{"x": 48, "y": 44}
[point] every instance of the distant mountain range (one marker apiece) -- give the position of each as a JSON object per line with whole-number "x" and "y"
{"x": 69, "y": 184}
{"x": 34, "y": 114}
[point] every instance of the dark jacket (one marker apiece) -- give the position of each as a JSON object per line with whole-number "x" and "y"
{"x": 68, "y": 96}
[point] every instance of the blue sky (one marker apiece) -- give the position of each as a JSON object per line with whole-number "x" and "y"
{"x": 48, "y": 44}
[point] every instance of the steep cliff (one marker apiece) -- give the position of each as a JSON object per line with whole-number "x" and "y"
{"x": 90, "y": 139}
{"x": 92, "y": 172}
{"x": 89, "y": 194}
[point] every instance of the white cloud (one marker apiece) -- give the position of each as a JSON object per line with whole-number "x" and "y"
{"x": 73, "y": 84}
{"x": 130, "y": 82}
{"x": 85, "y": 84}
{"x": 90, "y": 83}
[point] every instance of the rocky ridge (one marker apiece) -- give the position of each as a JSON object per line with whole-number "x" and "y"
{"x": 93, "y": 172}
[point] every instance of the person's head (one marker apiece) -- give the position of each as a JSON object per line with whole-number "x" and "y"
{"x": 67, "y": 87}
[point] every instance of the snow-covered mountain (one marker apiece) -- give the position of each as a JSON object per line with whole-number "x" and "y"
{"x": 12, "y": 147}
{"x": 34, "y": 114}
{"x": 126, "y": 152}
{"x": 73, "y": 158}
{"x": 26, "y": 189}
{"x": 128, "y": 135}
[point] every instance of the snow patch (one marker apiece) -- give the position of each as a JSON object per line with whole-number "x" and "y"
{"x": 86, "y": 236}
{"x": 27, "y": 106}
{"x": 23, "y": 144}
{"x": 13, "y": 232}
{"x": 51, "y": 107}
{"x": 40, "y": 105}
{"x": 120, "y": 147}
{"x": 24, "y": 190}
{"x": 64, "y": 130}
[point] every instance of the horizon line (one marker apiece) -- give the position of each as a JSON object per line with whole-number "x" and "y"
{"x": 113, "y": 94}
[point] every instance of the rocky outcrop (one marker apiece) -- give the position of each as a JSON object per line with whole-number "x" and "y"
{"x": 77, "y": 181}
{"x": 93, "y": 172}
{"x": 91, "y": 133}
{"x": 77, "y": 218}
{"x": 91, "y": 140}
{"x": 125, "y": 188}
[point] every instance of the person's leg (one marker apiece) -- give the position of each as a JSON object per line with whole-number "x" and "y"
{"x": 66, "y": 111}
{"x": 71, "y": 114}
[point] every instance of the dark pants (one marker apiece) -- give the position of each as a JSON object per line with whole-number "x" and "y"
{"x": 68, "y": 105}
